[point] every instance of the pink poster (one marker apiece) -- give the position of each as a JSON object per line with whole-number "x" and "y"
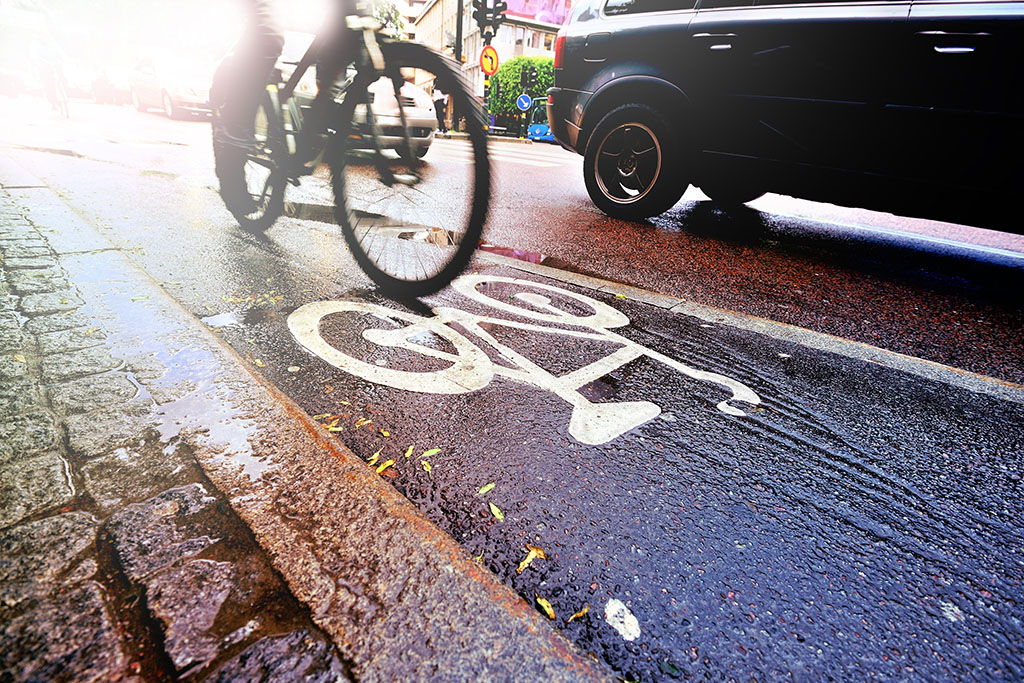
{"x": 547, "y": 11}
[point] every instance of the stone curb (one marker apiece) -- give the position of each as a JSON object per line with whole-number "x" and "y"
{"x": 398, "y": 597}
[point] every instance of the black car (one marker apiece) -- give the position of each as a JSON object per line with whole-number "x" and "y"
{"x": 907, "y": 106}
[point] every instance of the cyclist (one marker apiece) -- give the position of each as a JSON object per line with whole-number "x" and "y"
{"x": 237, "y": 88}
{"x": 241, "y": 79}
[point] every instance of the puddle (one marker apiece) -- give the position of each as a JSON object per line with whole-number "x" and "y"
{"x": 221, "y": 320}
{"x": 531, "y": 257}
{"x": 518, "y": 254}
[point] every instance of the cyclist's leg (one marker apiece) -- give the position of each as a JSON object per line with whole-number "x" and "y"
{"x": 238, "y": 88}
{"x": 334, "y": 57}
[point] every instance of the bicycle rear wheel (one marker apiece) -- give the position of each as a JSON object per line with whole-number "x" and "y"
{"x": 411, "y": 223}
{"x": 252, "y": 182}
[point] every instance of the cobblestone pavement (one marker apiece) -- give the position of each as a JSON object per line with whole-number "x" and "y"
{"x": 118, "y": 558}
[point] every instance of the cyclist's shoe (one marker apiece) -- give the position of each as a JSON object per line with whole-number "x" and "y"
{"x": 230, "y": 170}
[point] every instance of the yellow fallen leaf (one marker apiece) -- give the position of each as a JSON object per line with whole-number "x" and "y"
{"x": 496, "y": 511}
{"x": 335, "y": 430}
{"x": 387, "y": 464}
{"x": 328, "y": 388}
{"x": 579, "y": 614}
{"x": 385, "y": 432}
{"x": 258, "y": 363}
{"x": 533, "y": 552}
{"x": 345, "y": 403}
{"x": 139, "y": 298}
{"x": 432, "y": 451}
{"x": 484, "y": 489}
{"x": 546, "y": 606}
{"x": 373, "y": 459}
{"x": 479, "y": 558}
{"x": 362, "y": 421}
{"x": 426, "y": 466}
{"x": 20, "y": 358}
{"x": 321, "y": 416}
{"x": 408, "y": 451}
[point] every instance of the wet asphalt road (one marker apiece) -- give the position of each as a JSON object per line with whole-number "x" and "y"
{"x": 852, "y": 521}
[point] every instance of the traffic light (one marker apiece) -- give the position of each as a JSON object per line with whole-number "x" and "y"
{"x": 480, "y": 13}
{"x": 498, "y": 15}
{"x": 524, "y": 78}
{"x": 533, "y": 78}
{"x": 488, "y": 18}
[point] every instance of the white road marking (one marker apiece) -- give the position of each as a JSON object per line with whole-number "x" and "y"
{"x": 621, "y": 619}
{"x": 469, "y": 368}
{"x": 937, "y": 372}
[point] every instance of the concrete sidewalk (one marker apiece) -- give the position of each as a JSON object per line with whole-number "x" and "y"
{"x": 164, "y": 513}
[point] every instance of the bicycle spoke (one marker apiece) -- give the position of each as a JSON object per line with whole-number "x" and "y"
{"x": 411, "y": 215}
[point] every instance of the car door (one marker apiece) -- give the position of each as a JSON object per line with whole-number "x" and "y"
{"x": 967, "y": 103}
{"x": 801, "y": 83}
{"x": 640, "y": 39}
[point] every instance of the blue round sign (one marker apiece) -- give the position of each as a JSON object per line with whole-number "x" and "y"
{"x": 523, "y": 102}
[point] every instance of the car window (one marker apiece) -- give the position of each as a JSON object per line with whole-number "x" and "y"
{"x": 639, "y": 6}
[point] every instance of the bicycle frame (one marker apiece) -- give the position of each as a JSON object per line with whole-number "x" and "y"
{"x": 370, "y": 56}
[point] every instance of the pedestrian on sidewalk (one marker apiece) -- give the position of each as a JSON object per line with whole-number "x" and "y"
{"x": 440, "y": 105}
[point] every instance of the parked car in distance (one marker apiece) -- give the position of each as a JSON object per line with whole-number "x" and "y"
{"x": 416, "y": 103}
{"x": 537, "y": 128}
{"x": 907, "y": 106}
{"x": 175, "y": 85}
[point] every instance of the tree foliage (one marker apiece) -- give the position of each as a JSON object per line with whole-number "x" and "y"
{"x": 387, "y": 15}
{"x": 509, "y": 76}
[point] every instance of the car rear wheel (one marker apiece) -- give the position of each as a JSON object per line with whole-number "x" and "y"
{"x": 634, "y": 164}
{"x": 169, "y": 109}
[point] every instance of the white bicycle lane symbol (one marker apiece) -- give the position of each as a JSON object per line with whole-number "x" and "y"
{"x": 471, "y": 369}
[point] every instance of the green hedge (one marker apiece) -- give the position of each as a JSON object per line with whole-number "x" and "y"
{"x": 509, "y": 76}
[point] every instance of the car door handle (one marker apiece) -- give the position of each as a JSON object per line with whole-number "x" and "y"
{"x": 952, "y": 42}
{"x": 720, "y": 41}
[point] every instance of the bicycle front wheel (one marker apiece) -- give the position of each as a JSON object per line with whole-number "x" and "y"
{"x": 412, "y": 206}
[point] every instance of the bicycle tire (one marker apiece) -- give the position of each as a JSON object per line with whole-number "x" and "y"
{"x": 415, "y": 258}
{"x": 235, "y": 170}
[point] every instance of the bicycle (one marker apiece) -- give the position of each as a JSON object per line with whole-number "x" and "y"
{"x": 411, "y": 228}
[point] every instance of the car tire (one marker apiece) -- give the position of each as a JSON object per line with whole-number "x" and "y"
{"x": 634, "y": 166}
{"x": 169, "y": 109}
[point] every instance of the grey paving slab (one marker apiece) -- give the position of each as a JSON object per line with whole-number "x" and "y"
{"x": 35, "y": 555}
{"x": 90, "y": 393}
{"x": 70, "y": 637}
{"x": 29, "y": 486}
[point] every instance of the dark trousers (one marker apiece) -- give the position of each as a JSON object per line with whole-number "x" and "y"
{"x": 439, "y": 110}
